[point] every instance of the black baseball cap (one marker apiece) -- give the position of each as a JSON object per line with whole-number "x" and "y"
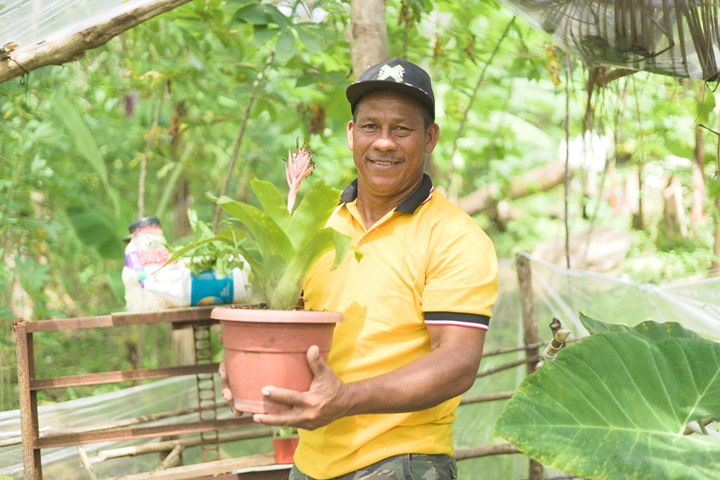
{"x": 397, "y": 75}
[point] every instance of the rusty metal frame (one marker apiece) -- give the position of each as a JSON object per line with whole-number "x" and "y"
{"x": 28, "y": 385}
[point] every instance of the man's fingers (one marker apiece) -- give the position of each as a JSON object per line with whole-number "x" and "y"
{"x": 317, "y": 364}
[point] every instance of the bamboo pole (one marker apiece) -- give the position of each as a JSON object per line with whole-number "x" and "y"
{"x": 103, "y": 455}
{"x": 530, "y": 333}
{"x": 484, "y": 450}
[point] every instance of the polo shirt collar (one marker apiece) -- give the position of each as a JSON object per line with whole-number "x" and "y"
{"x": 409, "y": 205}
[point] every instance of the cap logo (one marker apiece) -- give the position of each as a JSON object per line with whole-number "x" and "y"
{"x": 395, "y": 72}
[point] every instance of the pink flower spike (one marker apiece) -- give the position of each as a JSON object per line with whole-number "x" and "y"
{"x": 299, "y": 166}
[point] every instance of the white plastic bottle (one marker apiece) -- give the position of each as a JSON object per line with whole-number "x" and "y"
{"x": 144, "y": 255}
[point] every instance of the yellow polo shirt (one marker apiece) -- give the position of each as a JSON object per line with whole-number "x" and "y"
{"x": 426, "y": 262}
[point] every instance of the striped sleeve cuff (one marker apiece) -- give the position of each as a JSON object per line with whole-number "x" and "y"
{"x": 458, "y": 319}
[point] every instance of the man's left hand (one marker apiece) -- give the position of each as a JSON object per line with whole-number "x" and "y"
{"x": 324, "y": 402}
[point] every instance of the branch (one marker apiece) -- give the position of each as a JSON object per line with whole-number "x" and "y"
{"x": 72, "y": 47}
{"x": 539, "y": 179}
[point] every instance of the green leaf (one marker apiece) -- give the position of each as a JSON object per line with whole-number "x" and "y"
{"x": 97, "y": 231}
{"x": 289, "y": 287}
{"x": 652, "y": 330}
{"x": 285, "y": 47}
{"x": 270, "y": 240}
{"x": 312, "y": 213}
{"x": 259, "y": 14}
{"x": 84, "y": 142}
{"x": 185, "y": 251}
{"x": 615, "y": 405}
{"x": 253, "y": 13}
{"x": 309, "y": 38}
{"x": 261, "y": 36}
{"x": 272, "y": 201}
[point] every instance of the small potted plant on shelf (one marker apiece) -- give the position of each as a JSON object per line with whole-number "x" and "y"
{"x": 266, "y": 344}
{"x": 285, "y": 441}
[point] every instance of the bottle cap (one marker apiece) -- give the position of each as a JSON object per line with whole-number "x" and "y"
{"x": 144, "y": 222}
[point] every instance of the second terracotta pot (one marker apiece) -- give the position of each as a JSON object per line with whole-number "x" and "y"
{"x": 269, "y": 347}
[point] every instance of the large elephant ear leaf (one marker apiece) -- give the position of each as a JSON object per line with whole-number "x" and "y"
{"x": 652, "y": 330}
{"x": 615, "y": 406}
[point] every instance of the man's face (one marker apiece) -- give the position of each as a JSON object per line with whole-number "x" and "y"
{"x": 389, "y": 142}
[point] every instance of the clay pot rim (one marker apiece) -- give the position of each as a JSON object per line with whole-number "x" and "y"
{"x": 261, "y": 315}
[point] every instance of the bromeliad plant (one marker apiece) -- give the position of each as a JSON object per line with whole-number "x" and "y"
{"x": 281, "y": 242}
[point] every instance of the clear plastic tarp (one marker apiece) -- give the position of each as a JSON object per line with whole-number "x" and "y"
{"x": 668, "y": 37}
{"x": 29, "y": 23}
{"x": 558, "y": 293}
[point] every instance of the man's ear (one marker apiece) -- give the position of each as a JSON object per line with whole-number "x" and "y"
{"x": 432, "y": 137}
{"x": 350, "y": 126}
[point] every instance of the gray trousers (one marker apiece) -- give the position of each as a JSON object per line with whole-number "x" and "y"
{"x": 409, "y": 466}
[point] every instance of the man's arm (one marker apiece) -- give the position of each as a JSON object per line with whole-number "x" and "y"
{"x": 447, "y": 371}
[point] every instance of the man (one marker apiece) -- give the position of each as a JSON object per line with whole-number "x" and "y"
{"x": 416, "y": 306}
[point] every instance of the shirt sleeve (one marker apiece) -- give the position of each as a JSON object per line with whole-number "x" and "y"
{"x": 462, "y": 278}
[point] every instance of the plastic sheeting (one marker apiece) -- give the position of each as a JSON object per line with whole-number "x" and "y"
{"x": 564, "y": 293}
{"x": 28, "y": 23}
{"x": 557, "y": 292}
{"x": 669, "y": 37}
{"x": 162, "y": 396}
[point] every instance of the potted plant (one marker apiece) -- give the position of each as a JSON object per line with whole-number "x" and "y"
{"x": 267, "y": 344}
{"x": 285, "y": 441}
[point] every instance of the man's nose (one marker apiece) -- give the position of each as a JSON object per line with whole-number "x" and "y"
{"x": 385, "y": 140}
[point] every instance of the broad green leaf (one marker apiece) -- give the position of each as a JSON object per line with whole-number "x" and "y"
{"x": 652, "y": 330}
{"x": 341, "y": 243}
{"x": 272, "y": 201}
{"x": 308, "y": 37}
{"x": 252, "y": 13}
{"x": 312, "y": 213}
{"x": 96, "y": 230}
{"x": 290, "y": 285}
{"x": 261, "y": 35}
{"x": 285, "y": 47}
{"x": 269, "y": 238}
{"x": 615, "y": 405}
{"x": 84, "y": 143}
{"x": 273, "y": 245}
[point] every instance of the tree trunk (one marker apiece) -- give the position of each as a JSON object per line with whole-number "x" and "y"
{"x": 72, "y": 47}
{"x": 368, "y": 34}
{"x": 673, "y": 224}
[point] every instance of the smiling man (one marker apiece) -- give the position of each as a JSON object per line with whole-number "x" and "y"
{"x": 417, "y": 306}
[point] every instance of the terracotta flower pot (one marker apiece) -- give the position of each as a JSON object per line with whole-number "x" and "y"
{"x": 284, "y": 449}
{"x": 269, "y": 347}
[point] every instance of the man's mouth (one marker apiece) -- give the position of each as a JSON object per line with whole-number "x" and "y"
{"x": 382, "y": 163}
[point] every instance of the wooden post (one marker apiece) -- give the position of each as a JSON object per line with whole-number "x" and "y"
{"x": 28, "y": 401}
{"x": 530, "y": 332}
